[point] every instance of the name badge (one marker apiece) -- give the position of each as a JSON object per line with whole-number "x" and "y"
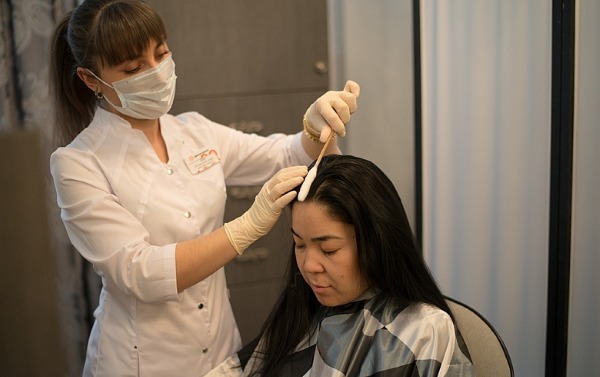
{"x": 199, "y": 161}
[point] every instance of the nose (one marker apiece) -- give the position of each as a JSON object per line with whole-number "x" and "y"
{"x": 310, "y": 261}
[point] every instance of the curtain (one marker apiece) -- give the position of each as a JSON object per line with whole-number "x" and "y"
{"x": 486, "y": 70}
{"x": 25, "y": 31}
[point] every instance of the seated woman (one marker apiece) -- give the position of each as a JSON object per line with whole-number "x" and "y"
{"x": 359, "y": 299}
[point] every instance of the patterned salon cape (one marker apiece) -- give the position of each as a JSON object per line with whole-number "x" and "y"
{"x": 373, "y": 337}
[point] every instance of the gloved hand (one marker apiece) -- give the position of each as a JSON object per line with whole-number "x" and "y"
{"x": 264, "y": 212}
{"x": 331, "y": 111}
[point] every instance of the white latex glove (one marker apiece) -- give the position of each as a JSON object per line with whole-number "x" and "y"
{"x": 332, "y": 111}
{"x": 264, "y": 212}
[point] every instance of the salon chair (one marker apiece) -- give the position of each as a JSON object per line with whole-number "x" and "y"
{"x": 489, "y": 355}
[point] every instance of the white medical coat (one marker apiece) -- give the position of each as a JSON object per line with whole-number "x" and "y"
{"x": 124, "y": 211}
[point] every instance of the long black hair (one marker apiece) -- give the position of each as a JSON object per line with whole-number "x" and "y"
{"x": 355, "y": 191}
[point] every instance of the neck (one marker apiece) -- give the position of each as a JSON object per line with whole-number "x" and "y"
{"x": 151, "y": 129}
{"x": 144, "y": 125}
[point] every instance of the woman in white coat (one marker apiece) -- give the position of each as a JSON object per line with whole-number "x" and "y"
{"x": 142, "y": 192}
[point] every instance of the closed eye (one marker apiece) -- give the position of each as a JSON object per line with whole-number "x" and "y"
{"x": 299, "y": 246}
{"x": 159, "y": 57}
{"x": 134, "y": 70}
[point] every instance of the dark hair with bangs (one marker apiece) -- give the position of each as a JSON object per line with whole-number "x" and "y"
{"x": 122, "y": 31}
{"x": 97, "y": 33}
{"x": 355, "y": 191}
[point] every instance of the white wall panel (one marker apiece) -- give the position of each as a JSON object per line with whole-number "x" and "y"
{"x": 371, "y": 42}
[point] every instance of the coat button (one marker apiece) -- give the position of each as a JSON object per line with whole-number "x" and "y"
{"x": 187, "y": 214}
{"x": 205, "y": 350}
{"x": 200, "y": 305}
{"x": 169, "y": 171}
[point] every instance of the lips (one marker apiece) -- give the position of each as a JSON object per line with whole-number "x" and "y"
{"x": 318, "y": 288}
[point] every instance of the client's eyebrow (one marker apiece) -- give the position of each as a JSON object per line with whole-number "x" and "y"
{"x": 322, "y": 238}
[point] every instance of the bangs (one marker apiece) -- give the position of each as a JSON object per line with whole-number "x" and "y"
{"x": 123, "y": 31}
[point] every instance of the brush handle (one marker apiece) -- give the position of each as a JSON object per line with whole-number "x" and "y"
{"x": 331, "y": 135}
{"x": 312, "y": 173}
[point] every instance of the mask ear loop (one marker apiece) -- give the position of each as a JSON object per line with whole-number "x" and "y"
{"x": 97, "y": 92}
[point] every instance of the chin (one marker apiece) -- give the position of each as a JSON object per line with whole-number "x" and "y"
{"x": 331, "y": 302}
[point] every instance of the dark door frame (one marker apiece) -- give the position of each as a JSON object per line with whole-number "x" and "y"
{"x": 561, "y": 185}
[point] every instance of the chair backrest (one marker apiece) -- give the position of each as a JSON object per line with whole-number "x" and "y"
{"x": 488, "y": 352}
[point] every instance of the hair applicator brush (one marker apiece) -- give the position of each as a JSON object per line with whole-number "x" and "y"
{"x": 312, "y": 173}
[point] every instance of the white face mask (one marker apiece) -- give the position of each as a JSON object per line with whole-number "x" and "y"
{"x": 147, "y": 95}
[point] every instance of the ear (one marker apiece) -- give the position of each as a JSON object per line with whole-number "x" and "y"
{"x": 89, "y": 80}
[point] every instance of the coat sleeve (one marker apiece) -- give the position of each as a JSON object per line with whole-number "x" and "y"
{"x": 248, "y": 159}
{"x": 108, "y": 235}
